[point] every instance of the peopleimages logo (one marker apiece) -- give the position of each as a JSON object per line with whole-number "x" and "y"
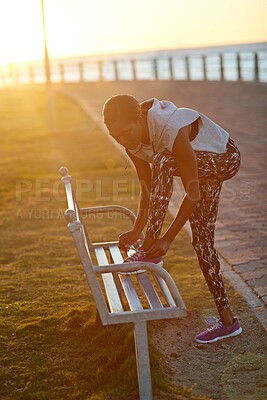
{"x": 45, "y": 190}
{"x": 46, "y": 199}
{"x": 38, "y": 198}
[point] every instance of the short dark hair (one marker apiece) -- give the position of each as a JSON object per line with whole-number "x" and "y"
{"x": 121, "y": 106}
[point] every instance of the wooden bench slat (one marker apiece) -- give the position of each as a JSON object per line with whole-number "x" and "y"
{"x": 130, "y": 293}
{"x": 149, "y": 291}
{"x": 109, "y": 284}
{"x": 127, "y": 284}
{"x": 165, "y": 290}
{"x": 116, "y": 254}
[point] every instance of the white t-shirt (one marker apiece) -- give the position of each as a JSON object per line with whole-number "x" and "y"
{"x": 164, "y": 122}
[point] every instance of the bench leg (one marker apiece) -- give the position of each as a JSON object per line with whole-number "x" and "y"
{"x": 142, "y": 360}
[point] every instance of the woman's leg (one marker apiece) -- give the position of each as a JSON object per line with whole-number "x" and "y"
{"x": 219, "y": 166}
{"x": 213, "y": 169}
{"x": 163, "y": 168}
{"x": 202, "y": 222}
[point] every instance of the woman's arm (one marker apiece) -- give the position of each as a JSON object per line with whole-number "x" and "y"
{"x": 144, "y": 175}
{"x": 187, "y": 165}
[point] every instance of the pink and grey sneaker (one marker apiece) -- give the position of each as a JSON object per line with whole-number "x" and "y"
{"x": 219, "y": 331}
{"x": 140, "y": 256}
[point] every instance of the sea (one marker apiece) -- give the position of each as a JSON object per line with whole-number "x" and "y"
{"x": 144, "y": 65}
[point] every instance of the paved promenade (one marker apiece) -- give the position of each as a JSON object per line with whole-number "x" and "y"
{"x": 240, "y": 108}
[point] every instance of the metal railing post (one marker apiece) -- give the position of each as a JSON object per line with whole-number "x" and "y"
{"x": 116, "y": 72}
{"x": 133, "y": 70}
{"x": 100, "y": 71}
{"x": 256, "y": 66}
{"x": 171, "y": 68}
{"x": 187, "y": 66}
{"x": 239, "y": 75}
{"x": 222, "y": 67}
{"x": 204, "y": 64}
{"x": 81, "y": 72}
{"x": 155, "y": 68}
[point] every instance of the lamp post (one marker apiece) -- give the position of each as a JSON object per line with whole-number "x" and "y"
{"x": 49, "y": 91}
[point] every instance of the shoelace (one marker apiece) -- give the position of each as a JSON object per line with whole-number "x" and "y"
{"x": 216, "y": 326}
{"x": 211, "y": 320}
{"x": 136, "y": 255}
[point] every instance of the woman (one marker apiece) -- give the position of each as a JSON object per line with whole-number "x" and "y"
{"x": 162, "y": 141}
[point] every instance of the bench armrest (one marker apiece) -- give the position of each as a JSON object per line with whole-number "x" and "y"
{"x": 131, "y": 267}
{"x": 136, "y": 266}
{"x": 111, "y": 209}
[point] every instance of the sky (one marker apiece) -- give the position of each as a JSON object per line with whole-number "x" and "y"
{"x": 85, "y": 27}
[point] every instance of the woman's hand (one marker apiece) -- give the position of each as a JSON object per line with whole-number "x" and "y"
{"x": 128, "y": 238}
{"x": 159, "y": 248}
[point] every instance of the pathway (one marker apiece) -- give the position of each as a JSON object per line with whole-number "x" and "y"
{"x": 240, "y": 108}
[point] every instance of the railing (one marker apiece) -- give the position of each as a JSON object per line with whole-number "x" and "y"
{"x": 246, "y": 66}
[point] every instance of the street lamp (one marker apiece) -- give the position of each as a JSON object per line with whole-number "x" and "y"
{"x": 49, "y": 91}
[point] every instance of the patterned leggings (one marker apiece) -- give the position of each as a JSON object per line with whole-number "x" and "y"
{"x": 213, "y": 169}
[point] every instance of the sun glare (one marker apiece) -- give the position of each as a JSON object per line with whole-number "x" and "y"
{"x": 82, "y": 27}
{"x": 21, "y": 34}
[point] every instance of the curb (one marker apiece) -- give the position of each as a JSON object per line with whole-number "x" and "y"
{"x": 255, "y": 303}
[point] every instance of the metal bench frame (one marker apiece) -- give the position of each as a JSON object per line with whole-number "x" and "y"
{"x": 117, "y": 282}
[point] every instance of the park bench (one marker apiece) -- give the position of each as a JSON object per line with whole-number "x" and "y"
{"x": 133, "y": 292}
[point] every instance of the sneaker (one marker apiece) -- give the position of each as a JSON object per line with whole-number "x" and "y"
{"x": 140, "y": 256}
{"x": 219, "y": 331}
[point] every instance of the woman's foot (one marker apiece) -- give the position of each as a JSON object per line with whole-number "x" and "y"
{"x": 140, "y": 256}
{"x": 219, "y": 331}
{"x": 226, "y": 316}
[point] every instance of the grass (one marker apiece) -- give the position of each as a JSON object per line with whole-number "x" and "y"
{"x": 52, "y": 344}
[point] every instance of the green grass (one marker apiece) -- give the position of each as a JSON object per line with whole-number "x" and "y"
{"x": 52, "y": 344}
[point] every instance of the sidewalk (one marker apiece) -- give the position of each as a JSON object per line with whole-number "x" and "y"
{"x": 240, "y": 108}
